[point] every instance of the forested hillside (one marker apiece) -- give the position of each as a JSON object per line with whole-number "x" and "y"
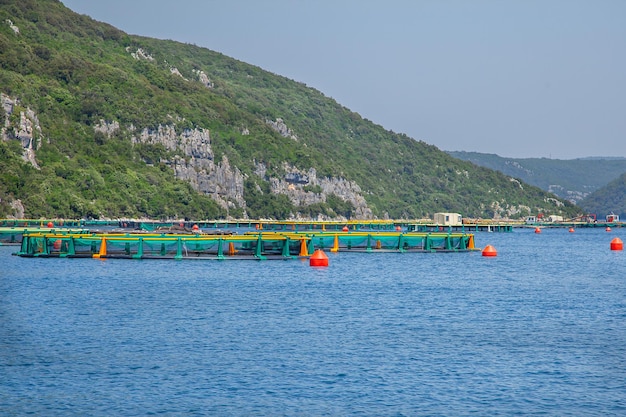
{"x": 99, "y": 123}
{"x": 572, "y": 179}
{"x": 610, "y": 199}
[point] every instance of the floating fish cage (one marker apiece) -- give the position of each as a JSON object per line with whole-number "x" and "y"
{"x": 388, "y": 241}
{"x": 252, "y": 245}
{"x": 162, "y": 246}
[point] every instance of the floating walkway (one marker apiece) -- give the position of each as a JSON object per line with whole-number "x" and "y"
{"x": 267, "y": 225}
{"x": 14, "y": 235}
{"x": 468, "y": 225}
{"x": 252, "y": 245}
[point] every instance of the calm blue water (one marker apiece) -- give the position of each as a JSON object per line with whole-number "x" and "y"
{"x": 538, "y": 330}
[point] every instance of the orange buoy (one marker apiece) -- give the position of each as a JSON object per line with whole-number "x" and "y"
{"x": 571, "y": 230}
{"x": 345, "y": 228}
{"x": 50, "y": 225}
{"x": 490, "y": 251}
{"x": 608, "y": 229}
{"x": 195, "y": 227}
{"x": 617, "y": 244}
{"x": 57, "y": 244}
{"x": 398, "y": 229}
{"x": 537, "y": 230}
{"x": 231, "y": 249}
{"x": 318, "y": 258}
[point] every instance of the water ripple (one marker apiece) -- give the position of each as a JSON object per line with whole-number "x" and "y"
{"x": 537, "y": 330}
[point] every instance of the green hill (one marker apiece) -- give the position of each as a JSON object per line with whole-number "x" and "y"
{"x": 610, "y": 199}
{"x": 99, "y": 123}
{"x": 572, "y": 179}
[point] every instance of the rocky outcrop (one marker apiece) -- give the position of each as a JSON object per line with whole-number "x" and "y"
{"x": 174, "y": 71}
{"x": 280, "y": 126}
{"x": 220, "y": 181}
{"x": 191, "y": 142}
{"x": 305, "y": 188}
{"x": 107, "y": 128}
{"x": 195, "y": 163}
{"x": 203, "y": 78}
{"x": 140, "y": 54}
{"x": 505, "y": 211}
{"x": 18, "y": 209}
{"x": 25, "y": 127}
{"x": 14, "y": 28}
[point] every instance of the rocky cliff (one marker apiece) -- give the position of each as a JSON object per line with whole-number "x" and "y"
{"x": 21, "y": 123}
{"x": 194, "y": 162}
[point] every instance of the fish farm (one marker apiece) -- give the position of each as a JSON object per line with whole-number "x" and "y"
{"x": 224, "y": 245}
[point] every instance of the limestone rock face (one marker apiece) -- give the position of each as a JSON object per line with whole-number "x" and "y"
{"x": 294, "y": 181}
{"x": 107, "y": 128}
{"x": 140, "y": 54}
{"x": 18, "y": 209}
{"x": 281, "y": 127}
{"x": 192, "y": 142}
{"x": 203, "y": 78}
{"x": 196, "y": 165}
{"x": 27, "y": 129}
{"x": 14, "y": 28}
{"x": 220, "y": 181}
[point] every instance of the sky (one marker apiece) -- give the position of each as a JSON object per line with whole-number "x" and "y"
{"x": 516, "y": 78}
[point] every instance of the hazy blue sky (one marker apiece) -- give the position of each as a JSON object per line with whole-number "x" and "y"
{"x": 527, "y": 78}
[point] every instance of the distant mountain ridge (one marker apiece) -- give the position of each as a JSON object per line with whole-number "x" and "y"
{"x": 572, "y": 179}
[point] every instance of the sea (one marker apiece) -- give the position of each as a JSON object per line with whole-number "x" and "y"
{"x": 538, "y": 330}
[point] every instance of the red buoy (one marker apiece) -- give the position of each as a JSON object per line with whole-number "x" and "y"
{"x": 490, "y": 251}
{"x": 318, "y": 258}
{"x": 617, "y": 244}
{"x": 537, "y": 230}
{"x": 608, "y": 229}
{"x": 195, "y": 227}
{"x": 398, "y": 229}
{"x": 571, "y": 230}
{"x": 345, "y": 228}
{"x": 50, "y": 225}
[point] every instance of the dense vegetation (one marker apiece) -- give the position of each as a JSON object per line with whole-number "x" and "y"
{"x": 572, "y": 179}
{"x": 610, "y": 199}
{"x": 73, "y": 72}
